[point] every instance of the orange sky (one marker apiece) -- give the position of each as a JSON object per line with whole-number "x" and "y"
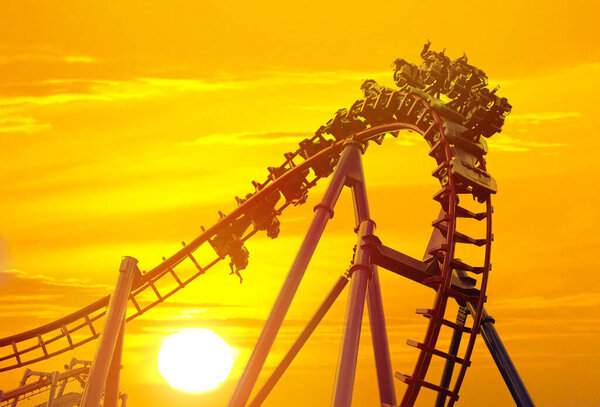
{"x": 125, "y": 127}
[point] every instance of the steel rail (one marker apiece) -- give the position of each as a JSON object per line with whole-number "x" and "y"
{"x": 368, "y": 119}
{"x": 437, "y": 319}
{"x": 163, "y": 268}
{"x": 38, "y": 384}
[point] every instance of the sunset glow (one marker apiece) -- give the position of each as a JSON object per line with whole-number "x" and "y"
{"x": 195, "y": 360}
{"x": 125, "y": 127}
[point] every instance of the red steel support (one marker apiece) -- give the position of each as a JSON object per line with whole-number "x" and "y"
{"x": 110, "y": 335}
{"x": 361, "y": 272}
{"x": 381, "y": 347}
{"x": 262, "y": 394}
{"x": 323, "y": 212}
{"x": 365, "y": 282}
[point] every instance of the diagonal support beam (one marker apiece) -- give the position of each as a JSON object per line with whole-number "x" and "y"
{"x": 323, "y": 212}
{"x": 111, "y": 391}
{"x": 361, "y": 272}
{"x": 110, "y": 335}
{"x": 381, "y": 347}
{"x": 503, "y": 362}
{"x": 365, "y": 284}
{"x": 262, "y": 394}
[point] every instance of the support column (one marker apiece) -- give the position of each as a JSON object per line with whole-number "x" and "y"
{"x": 381, "y": 348}
{"x": 114, "y": 320}
{"x": 111, "y": 392}
{"x": 323, "y": 212}
{"x": 503, "y": 362}
{"x": 361, "y": 272}
{"x": 306, "y": 332}
{"x": 52, "y": 396}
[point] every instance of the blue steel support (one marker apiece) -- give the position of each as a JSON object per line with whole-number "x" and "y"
{"x": 453, "y": 350}
{"x": 507, "y": 369}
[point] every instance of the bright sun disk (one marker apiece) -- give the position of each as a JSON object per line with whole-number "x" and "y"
{"x": 195, "y": 360}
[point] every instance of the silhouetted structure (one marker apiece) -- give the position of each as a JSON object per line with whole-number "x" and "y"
{"x": 448, "y": 103}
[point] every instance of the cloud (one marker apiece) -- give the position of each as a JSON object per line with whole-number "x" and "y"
{"x": 29, "y": 301}
{"x": 22, "y": 97}
{"x": 508, "y": 143}
{"x": 536, "y": 118}
{"x": 45, "y": 57}
{"x": 41, "y": 298}
{"x": 57, "y": 90}
{"x": 279, "y": 137}
{"x": 25, "y": 278}
{"x": 79, "y": 59}
{"x": 577, "y": 300}
{"x": 21, "y": 124}
{"x": 54, "y": 92}
{"x": 325, "y": 77}
{"x": 195, "y": 85}
{"x": 251, "y": 138}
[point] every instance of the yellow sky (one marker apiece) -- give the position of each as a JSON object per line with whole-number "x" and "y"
{"x": 127, "y": 125}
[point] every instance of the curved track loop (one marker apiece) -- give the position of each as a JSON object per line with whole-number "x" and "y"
{"x": 368, "y": 119}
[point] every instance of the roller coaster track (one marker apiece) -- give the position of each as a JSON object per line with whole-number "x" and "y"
{"x": 453, "y": 131}
{"x": 42, "y": 385}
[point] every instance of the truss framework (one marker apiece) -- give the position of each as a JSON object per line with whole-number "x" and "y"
{"x": 455, "y": 131}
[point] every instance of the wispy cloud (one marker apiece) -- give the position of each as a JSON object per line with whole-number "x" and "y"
{"x": 49, "y": 281}
{"x": 20, "y": 124}
{"x": 195, "y": 85}
{"x": 45, "y": 57}
{"x": 55, "y": 92}
{"x": 507, "y": 143}
{"x": 34, "y": 298}
{"x": 79, "y": 59}
{"x": 576, "y": 300}
{"x": 251, "y": 138}
{"x": 326, "y": 77}
{"x": 67, "y": 90}
{"x": 536, "y": 118}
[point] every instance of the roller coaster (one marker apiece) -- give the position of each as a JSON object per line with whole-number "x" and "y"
{"x": 449, "y": 104}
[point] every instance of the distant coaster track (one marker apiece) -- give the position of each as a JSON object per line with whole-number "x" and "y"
{"x": 453, "y": 131}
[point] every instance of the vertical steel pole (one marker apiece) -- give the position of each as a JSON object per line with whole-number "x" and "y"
{"x": 262, "y": 394}
{"x": 52, "y": 395}
{"x": 323, "y": 212}
{"x": 111, "y": 392}
{"x": 361, "y": 271}
{"x": 114, "y": 320}
{"x": 381, "y": 348}
{"x": 62, "y": 388}
{"x": 503, "y": 362}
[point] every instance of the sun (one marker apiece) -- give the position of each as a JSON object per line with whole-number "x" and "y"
{"x": 195, "y": 360}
